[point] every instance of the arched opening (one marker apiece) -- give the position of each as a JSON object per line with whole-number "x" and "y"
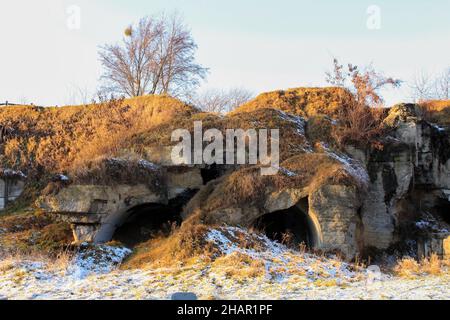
{"x": 147, "y": 221}
{"x": 292, "y": 226}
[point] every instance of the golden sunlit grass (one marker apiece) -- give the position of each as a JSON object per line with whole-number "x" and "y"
{"x": 437, "y": 111}
{"x": 239, "y": 266}
{"x": 34, "y": 233}
{"x": 411, "y": 268}
{"x": 57, "y": 139}
{"x": 305, "y": 102}
{"x": 184, "y": 246}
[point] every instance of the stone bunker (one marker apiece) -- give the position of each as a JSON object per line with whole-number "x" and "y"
{"x": 348, "y": 201}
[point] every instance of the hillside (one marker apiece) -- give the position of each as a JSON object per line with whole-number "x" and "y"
{"x": 437, "y": 111}
{"x": 304, "y": 102}
{"x": 55, "y": 139}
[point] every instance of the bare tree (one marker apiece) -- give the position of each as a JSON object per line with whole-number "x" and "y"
{"x": 442, "y": 85}
{"x": 430, "y": 87}
{"x": 222, "y": 101}
{"x": 421, "y": 87}
{"x": 78, "y": 95}
{"x": 365, "y": 85}
{"x": 157, "y": 56}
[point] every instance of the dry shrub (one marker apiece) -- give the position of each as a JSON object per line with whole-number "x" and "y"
{"x": 407, "y": 268}
{"x": 359, "y": 125}
{"x": 432, "y": 265}
{"x": 360, "y": 116}
{"x": 410, "y": 268}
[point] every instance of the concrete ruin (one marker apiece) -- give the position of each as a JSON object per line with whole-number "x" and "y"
{"x": 12, "y": 184}
{"x": 406, "y": 198}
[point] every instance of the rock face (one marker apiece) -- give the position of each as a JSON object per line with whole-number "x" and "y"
{"x": 408, "y": 177}
{"x": 391, "y": 174}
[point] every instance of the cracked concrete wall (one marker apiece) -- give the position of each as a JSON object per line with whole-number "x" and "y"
{"x": 10, "y": 190}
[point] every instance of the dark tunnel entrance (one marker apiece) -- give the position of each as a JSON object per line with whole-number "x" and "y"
{"x": 147, "y": 221}
{"x": 211, "y": 173}
{"x": 291, "y": 227}
{"x": 442, "y": 209}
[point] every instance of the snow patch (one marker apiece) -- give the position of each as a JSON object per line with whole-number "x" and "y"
{"x": 62, "y": 177}
{"x": 438, "y": 128}
{"x": 148, "y": 165}
{"x": 13, "y": 173}
{"x": 353, "y": 167}
{"x": 97, "y": 260}
{"x": 276, "y": 255}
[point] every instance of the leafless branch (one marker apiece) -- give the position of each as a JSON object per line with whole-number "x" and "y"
{"x": 157, "y": 56}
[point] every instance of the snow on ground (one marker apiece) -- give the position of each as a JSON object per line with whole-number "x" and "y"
{"x": 95, "y": 276}
{"x": 101, "y": 260}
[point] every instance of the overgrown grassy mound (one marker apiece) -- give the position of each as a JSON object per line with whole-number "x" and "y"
{"x": 57, "y": 139}
{"x": 305, "y": 102}
{"x": 292, "y": 129}
{"x": 437, "y": 111}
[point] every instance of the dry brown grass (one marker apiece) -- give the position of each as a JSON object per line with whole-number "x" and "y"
{"x": 291, "y": 141}
{"x": 411, "y": 268}
{"x": 183, "y": 245}
{"x": 110, "y": 171}
{"x": 61, "y": 261}
{"x": 54, "y": 139}
{"x": 239, "y": 266}
{"x": 320, "y": 129}
{"x": 356, "y": 123}
{"x": 34, "y": 233}
{"x": 436, "y": 111}
{"x": 305, "y": 102}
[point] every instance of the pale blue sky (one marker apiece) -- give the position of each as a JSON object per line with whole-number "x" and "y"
{"x": 257, "y": 44}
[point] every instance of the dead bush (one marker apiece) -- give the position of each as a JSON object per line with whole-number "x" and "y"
{"x": 360, "y": 116}
{"x": 411, "y": 268}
